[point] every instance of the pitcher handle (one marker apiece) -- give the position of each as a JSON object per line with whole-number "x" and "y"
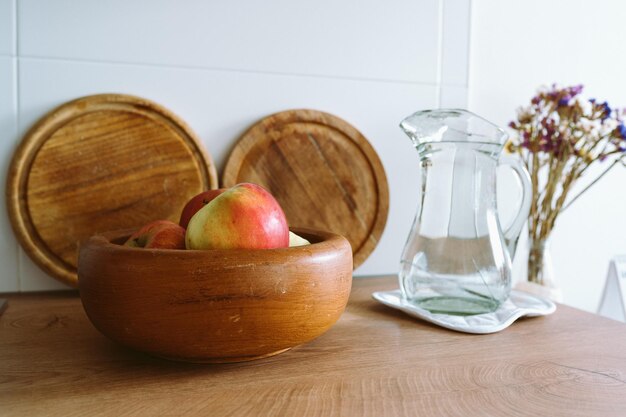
{"x": 512, "y": 234}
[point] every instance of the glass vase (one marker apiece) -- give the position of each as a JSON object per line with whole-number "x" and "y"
{"x": 540, "y": 269}
{"x": 540, "y": 278}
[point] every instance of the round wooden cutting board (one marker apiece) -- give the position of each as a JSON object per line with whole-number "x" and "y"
{"x": 96, "y": 164}
{"x": 322, "y": 171}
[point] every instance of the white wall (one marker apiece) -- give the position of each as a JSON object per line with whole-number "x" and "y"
{"x": 517, "y": 45}
{"x": 222, "y": 66}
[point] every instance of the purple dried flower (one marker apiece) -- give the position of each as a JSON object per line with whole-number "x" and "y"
{"x": 606, "y": 110}
{"x": 560, "y": 119}
{"x": 622, "y": 130}
{"x": 562, "y": 126}
{"x": 577, "y": 89}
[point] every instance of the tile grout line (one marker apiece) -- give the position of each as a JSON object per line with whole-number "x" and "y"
{"x": 444, "y": 82}
{"x": 228, "y": 70}
{"x": 440, "y": 32}
{"x": 15, "y": 43}
{"x": 468, "y": 43}
{"x": 469, "y": 53}
{"x": 16, "y": 104}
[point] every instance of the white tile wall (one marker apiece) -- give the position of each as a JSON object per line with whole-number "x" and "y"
{"x": 393, "y": 40}
{"x": 7, "y": 27}
{"x": 8, "y": 126}
{"x": 455, "y": 42}
{"x": 222, "y": 67}
{"x": 453, "y": 97}
{"x": 509, "y": 61}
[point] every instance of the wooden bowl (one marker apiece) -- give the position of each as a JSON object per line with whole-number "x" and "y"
{"x": 214, "y": 305}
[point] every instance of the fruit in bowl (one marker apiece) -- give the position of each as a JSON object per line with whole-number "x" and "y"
{"x": 196, "y": 203}
{"x": 159, "y": 234}
{"x": 245, "y": 216}
{"x": 295, "y": 240}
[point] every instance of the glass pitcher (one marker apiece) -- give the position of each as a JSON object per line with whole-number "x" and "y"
{"x": 457, "y": 258}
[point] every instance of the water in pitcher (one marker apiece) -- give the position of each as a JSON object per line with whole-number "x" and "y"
{"x": 450, "y": 288}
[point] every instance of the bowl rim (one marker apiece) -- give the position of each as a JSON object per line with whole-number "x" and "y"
{"x": 105, "y": 240}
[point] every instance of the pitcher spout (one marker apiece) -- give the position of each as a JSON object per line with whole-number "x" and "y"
{"x": 450, "y": 125}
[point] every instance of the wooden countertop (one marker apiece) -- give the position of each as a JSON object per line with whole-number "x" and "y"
{"x": 373, "y": 362}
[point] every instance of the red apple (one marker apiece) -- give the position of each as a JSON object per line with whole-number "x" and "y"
{"x": 196, "y": 203}
{"x": 244, "y": 216}
{"x": 159, "y": 234}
